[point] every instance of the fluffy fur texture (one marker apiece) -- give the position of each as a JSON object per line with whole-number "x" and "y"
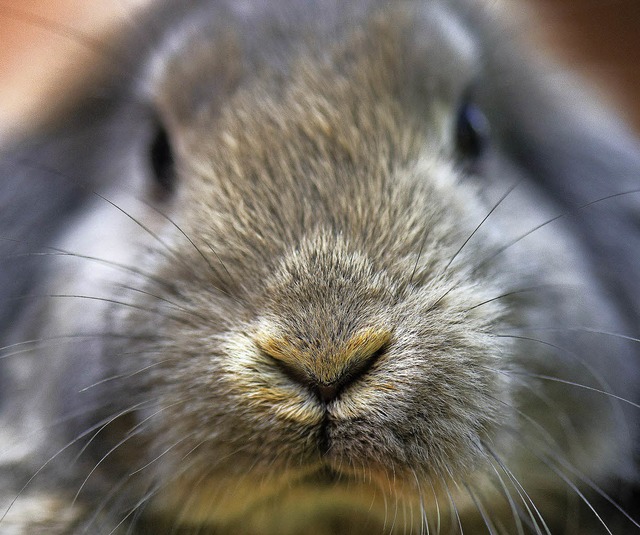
{"x": 255, "y": 284}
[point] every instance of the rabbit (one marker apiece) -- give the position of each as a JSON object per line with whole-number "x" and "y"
{"x": 320, "y": 267}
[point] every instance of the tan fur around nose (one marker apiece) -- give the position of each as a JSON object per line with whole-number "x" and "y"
{"x": 323, "y": 363}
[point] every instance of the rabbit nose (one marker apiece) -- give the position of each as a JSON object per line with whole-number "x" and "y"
{"x": 326, "y": 368}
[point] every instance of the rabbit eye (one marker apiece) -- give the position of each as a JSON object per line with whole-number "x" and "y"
{"x": 162, "y": 162}
{"x": 471, "y": 133}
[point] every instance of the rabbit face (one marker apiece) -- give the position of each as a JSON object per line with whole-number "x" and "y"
{"x": 326, "y": 283}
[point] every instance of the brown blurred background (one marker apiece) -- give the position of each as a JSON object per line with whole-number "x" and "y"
{"x": 42, "y": 50}
{"x": 600, "y": 37}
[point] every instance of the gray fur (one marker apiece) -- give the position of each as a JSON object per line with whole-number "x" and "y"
{"x": 295, "y": 339}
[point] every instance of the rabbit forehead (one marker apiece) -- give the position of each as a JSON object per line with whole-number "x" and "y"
{"x": 205, "y": 57}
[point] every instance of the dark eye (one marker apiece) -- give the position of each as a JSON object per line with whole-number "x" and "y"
{"x": 472, "y": 132}
{"x": 162, "y": 161}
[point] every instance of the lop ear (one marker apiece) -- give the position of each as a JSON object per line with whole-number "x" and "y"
{"x": 582, "y": 155}
{"x": 36, "y": 199}
{"x": 44, "y": 163}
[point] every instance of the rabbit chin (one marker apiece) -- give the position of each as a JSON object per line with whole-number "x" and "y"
{"x": 309, "y": 498}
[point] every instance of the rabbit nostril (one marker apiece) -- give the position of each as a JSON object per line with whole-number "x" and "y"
{"x": 325, "y": 368}
{"x": 328, "y": 393}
